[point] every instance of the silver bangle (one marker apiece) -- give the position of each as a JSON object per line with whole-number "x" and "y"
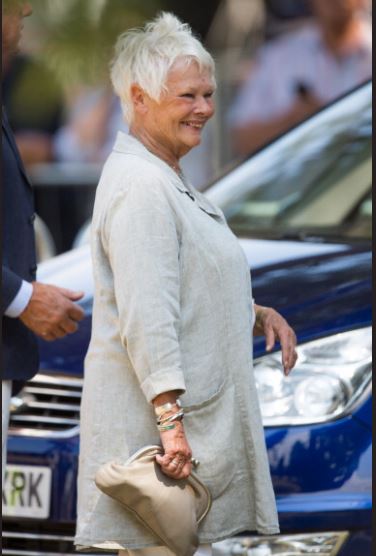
{"x": 161, "y": 409}
{"x": 178, "y": 416}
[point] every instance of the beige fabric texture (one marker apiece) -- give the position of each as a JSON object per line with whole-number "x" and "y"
{"x": 172, "y": 311}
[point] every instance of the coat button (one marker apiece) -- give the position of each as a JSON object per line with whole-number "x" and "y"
{"x": 32, "y": 218}
{"x": 33, "y": 269}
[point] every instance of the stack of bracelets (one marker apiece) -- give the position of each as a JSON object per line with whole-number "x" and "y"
{"x": 168, "y": 423}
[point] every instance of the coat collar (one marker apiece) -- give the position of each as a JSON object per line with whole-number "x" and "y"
{"x": 128, "y": 144}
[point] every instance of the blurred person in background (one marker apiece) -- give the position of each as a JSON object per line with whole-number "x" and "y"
{"x": 35, "y": 106}
{"x": 300, "y": 72}
{"x": 93, "y": 120}
{"x": 34, "y": 102}
{"x": 29, "y": 308}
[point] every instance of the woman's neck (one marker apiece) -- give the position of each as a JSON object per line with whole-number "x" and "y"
{"x": 155, "y": 147}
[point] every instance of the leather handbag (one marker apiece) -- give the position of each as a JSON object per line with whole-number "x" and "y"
{"x": 170, "y": 508}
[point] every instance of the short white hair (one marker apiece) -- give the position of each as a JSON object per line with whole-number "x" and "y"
{"x": 145, "y": 56}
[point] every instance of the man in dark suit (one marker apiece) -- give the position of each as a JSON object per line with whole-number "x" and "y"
{"x": 28, "y": 307}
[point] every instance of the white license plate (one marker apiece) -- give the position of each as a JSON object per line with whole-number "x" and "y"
{"x": 27, "y": 491}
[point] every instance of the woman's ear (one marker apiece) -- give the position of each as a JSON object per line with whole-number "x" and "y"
{"x": 139, "y": 98}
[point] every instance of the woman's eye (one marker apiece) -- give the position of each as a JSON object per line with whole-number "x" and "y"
{"x": 188, "y": 95}
{"x": 209, "y": 95}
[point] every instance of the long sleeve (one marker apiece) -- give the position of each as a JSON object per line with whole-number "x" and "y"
{"x": 20, "y": 301}
{"x": 143, "y": 248}
{"x": 11, "y": 284}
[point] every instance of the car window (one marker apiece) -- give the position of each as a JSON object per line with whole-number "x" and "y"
{"x": 319, "y": 181}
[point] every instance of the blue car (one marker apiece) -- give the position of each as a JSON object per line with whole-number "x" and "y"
{"x": 301, "y": 208}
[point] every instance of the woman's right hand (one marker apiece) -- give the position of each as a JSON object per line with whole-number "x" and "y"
{"x": 176, "y": 461}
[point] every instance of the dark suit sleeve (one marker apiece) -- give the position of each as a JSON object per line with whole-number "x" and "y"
{"x": 20, "y": 359}
{"x": 11, "y": 284}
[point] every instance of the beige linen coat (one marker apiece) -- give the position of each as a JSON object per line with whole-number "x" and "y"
{"x": 172, "y": 311}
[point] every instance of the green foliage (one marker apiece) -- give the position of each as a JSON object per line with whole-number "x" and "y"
{"x": 79, "y": 35}
{"x": 8, "y": 5}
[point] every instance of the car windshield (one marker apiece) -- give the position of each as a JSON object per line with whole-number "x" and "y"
{"x": 314, "y": 180}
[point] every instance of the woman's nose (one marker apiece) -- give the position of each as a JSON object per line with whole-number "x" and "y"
{"x": 204, "y": 106}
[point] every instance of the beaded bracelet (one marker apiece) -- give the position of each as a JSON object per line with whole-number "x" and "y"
{"x": 163, "y": 428}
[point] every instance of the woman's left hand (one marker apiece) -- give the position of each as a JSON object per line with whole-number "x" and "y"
{"x": 176, "y": 461}
{"x": 274, "y": 327}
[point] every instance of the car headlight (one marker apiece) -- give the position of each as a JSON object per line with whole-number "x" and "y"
{"x": 329, "y": 377}
{"x": 324, "y": 544}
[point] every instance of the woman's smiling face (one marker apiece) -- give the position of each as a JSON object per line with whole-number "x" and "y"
{"x": 177, "y": 120}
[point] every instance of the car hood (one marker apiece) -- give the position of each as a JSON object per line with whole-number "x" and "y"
{"x": 321, "y": 288}
{"x": 70, "y": 270}
{"x": 73, "y": 268}
{"x": 262, "y": 253}
{"x": 285, "y": 272}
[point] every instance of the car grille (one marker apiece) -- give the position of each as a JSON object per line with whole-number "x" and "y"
{"x": 36, "y": 539}
{"x": 49, "y": 404}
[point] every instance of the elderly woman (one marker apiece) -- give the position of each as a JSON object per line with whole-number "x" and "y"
{"x": 173, "y": 313}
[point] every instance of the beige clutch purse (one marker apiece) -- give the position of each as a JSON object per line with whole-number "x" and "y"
{"x": 171, "y": 509}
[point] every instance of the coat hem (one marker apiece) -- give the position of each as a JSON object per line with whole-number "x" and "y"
{"x": 209, "y": 539}
{"x": 81, "y": 544}
{"x": 106, "y": 546}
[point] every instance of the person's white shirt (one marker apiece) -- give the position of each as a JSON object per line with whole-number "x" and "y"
{"x": 298, "y": 58}
{"x": 20, "y": 301}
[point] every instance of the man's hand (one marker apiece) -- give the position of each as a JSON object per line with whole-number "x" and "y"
{"x": 274, "y": 327}
{"x": 51, "y": 313}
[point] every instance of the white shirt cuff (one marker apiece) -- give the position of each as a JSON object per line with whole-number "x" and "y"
{"x": 21, "y": 300}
